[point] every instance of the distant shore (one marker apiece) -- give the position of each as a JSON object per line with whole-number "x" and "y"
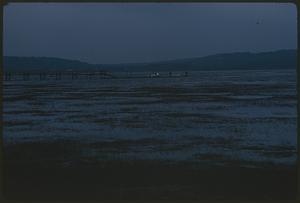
{"x": 224, "y": 61}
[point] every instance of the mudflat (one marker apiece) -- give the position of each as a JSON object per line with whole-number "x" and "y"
{"x": 38, "y": 177}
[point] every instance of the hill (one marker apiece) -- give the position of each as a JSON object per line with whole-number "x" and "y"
{"x": 282, "y": 59}
{"x": 32, "y": 64}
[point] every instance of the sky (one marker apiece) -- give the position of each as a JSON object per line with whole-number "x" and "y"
{"x": 144, "y": 32}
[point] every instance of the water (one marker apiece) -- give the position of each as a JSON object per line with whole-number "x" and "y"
{"x": 220, "y": 117}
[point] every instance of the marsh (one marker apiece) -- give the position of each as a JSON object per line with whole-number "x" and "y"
{"x": 208, "y": 120}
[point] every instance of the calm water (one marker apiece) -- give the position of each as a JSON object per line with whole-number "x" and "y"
{"x": 246, "y": 117}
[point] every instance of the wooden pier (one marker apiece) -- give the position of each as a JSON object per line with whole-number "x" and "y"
{"x": 30, "y": 76}
{"x": 26, "y": 76}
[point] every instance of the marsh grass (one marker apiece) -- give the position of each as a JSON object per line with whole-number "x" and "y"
{"x": 210, "y": 163}
{"x": 19, "y": 123}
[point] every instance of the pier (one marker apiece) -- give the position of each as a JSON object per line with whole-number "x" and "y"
{"x": 32, "y": 76}
{"x": 26, "y": 76}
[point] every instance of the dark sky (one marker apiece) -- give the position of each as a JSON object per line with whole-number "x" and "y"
{"x": 128, "y": 32}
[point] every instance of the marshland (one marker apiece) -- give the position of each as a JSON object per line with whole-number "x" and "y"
{"x": 161, "y": 138}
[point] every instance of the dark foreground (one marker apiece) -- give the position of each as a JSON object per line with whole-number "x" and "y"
{"x": 37, "y": 171}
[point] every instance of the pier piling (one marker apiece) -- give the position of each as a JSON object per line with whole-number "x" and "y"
{"x": 26, "y": 76}
{"x": 58, "y": 76}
